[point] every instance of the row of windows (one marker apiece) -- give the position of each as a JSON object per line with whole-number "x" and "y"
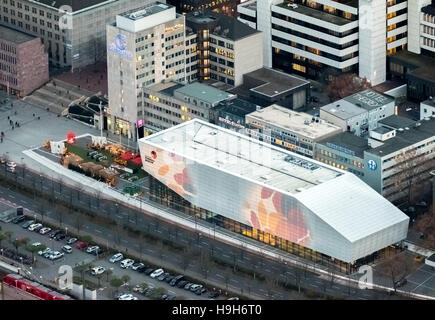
{"x": 8, "y": 78}
{"x": 8, "y": 58}
{"x": 429, "y": 18}
{"x": 146, "y": 37}
{"x": 342, "y": 159}
{"x": 8, "y": 48}
{"x": 429, "y": 42}
{"x": 222, "y": 43}
{"x": 8, "y": 68}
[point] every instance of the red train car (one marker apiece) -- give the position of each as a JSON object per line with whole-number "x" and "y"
{"x": 34, "y": 288}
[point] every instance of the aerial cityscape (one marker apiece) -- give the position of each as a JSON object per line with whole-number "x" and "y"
{"x": 217, "y": 150}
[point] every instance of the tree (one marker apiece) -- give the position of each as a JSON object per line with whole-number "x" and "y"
{"x": 411, "y": 169}
{"x": 33, "y": 249}
{"x": 205, "y": 264}
{"x": 426, "y": 225}
{"x": 186, "y": 257}
{"x": 42, "y": 207}
{"x": 125, "y": 279}
{"x": 59, "y": 213}
{"x": 397, "y": 268}
{"x": 116, "y": 283}
{"x": 108, "y": 274}
{"x": 8, "y": 235}
{"x": 345, "y": 85}
{"x": 2, "y": 237}
{"x": 78, "y": 223}
{"x": 17, "y": 243}
{"x": 158, "y": 292}
{"x": 87, "y": 239}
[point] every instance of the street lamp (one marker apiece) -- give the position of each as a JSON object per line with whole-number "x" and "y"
{"x": 66, "y": 231}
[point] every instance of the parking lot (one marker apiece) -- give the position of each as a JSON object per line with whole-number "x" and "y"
{"x": 47, "y": 269}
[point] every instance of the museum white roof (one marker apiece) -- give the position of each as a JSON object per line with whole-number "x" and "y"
{"x": 339, "y": 198}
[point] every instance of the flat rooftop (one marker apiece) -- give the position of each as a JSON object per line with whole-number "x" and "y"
{"x": 430, "y": 9}
{"x": 145, "y": 11}
{"x": 396, "y": 122}
{"x": 369, "y": 99}
{"x": 424, "y": 67}
{"x": 203, "y": 92}
{"x": 76, "y": 5}
{"x": 347, "y": 142}
{"x": 243, "y": 156}
{"x": 429, "y": 102}
{"x": 251, "y": 5}
{"x": 315, "y": 13}
{"x": 14, "y": 36}
{"x": 272, "y": 83}
{"x": 343, "y": 109}
{"x": 382, "y": 130}
{"x": 405, "y": 138}
{"x": 297, "y": 122}
{"x": 238, "y": 107}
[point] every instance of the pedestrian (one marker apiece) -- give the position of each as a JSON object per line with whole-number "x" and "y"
{"x": 33, "y": 115}
{"x": 1, "y": 139}
{"x": 9, "y": 118}
{"x": 15, "y": 113}
{"x": 12, "y": 127}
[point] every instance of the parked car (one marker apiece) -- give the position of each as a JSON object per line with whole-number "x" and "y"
{"x": 81, "y": 245}
{"x": 195, "y": 287}
{"x": 54, "y": 233}
{"x": 18, "y": 219}
{"x": 127, "y": 296}
{"x": 182, "y": 283}
{"x": 56, "y": 255}
{"x": 97, "y": 270}
{"x": 200, "y": 291}
{"x": 163, "y": 276}
{"x": 43, "y": 252}
{"x": 97, "y": 251}
{"x": 187, "y": 286}
{"x": 176, "y": 279}
{"x": 213, "y": 295}
{"x": 169, "y": 278}
{"x": 157, "y": 273}
{"x": 91, "y": 249}
{"x": 141, "y": 269}
{"x": 48, "y": 253}
{"x": 67, "y": 249}
{"x": 27, "y": 224}
{"x": 126, "y": 263}
{"x": 36, "y": 244}
{"x": 33, "y": 226}
{"x": 233, "y": 298}
{"x": 44, "y": 230}
{"x": 116, "y": 257}
{"x": 149, "y": 271}
{"x": 137, "y": 265}
{"x": 71, "y": 240}
{"x": 37, "y": 228}
{"x": 59, "y": 236}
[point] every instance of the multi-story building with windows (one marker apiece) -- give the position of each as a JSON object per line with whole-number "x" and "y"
{"x": 427, "y": 108}
{"x": 145, "y": 46}
{"x": 397, "y": 156}
{"x": 170, "y": 103}
{"x": 323, "y": 38}
{"x": 269, "y": 194}
{"x": 23, "y": 62}
{"x": 226, "y": 48}
{"x": 73, "y": 32}
{"x": 228, "y": 7}
{"x": 295, "y": 131}
{"x": 359, "y": 113}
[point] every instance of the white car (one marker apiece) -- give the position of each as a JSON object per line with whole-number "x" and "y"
{"x": 157, "y": 273}
{"x": 116, "y": 257}
{"x": 92, "y": 249}
{"x": 43, "y": 252}
{"x": 127, "y": 296}
{"x": 97, "y": 270}
{"x": 36, "y": 244}
{"x": 66, "y": 248}
{"x": 45, "y": 230}
{"x": 56, "y": 255}
{"x": 34, "y": 226}
{"x": 127, "y": 263}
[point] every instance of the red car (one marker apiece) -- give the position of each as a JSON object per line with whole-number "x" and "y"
{"x": 81, "y": 245}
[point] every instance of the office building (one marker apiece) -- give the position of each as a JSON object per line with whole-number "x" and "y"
{"x": 232, "y": 114}
{"x": 272, "y": 195}
{"x": 359, "y": 113}
{"x": 398, "y": 154}
{"x": 295, "y": 131}
{"x": 228, "y": 7}
{"x": 145, "y": 46}
{"x": 73, "y": 32}
{"x": 226, "y": 48}
{"x": 421, "y": 27}
{"x": 320, "y": 39}
{"x": 171, "y": 103}
{"x": 23, "y": 62}
{"x": 265, "y": 87}
{"x": 427, "y": 108}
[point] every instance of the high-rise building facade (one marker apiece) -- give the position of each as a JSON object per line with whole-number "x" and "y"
{"x": 73, "y": 32}
{"x": 145, "y": 46}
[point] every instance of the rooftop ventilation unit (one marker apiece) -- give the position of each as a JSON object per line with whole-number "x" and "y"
{"x": 137, "y": 14}
{"x": 401, "y": 129}
{"x": 406, "y": 128}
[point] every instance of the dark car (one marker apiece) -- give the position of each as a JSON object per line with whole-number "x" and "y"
{"x": 59, "y": 236}
{"x": 163, "y": 276}
{"x": 38, "y": 228}
{"x": 176, "y": 279}
{"x": 200, "y": 291}
{"x": 168, "y": 279}
{"x": 182, "y": 283}
{"x": 27, "y": 224}
{"x": 18, "y": 219}
{"x": 141, "y": 269}
{"x": 54, "y": 233}
{"x": 97, "y": 252}
{"x": 148, "y": 271}
{"x": 213, "y": 295}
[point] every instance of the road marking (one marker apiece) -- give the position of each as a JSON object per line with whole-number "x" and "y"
{"x": 235, "y": 281}
{"x": 313, "y": 285}
{"x": 99, "y": 231}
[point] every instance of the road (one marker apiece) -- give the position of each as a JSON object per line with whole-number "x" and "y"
{"x": 184, "y": 237}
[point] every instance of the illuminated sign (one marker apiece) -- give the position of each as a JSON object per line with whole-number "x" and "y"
{"x": 372, "y": 164}
{"x": 119, "y": 45}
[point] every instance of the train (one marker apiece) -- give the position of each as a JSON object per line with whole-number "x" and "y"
{"x": 34, "y": 288}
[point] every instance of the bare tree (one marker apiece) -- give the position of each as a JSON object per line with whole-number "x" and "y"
{"x": 185, "y": 259}
{"x": 426, "y": 225}
{"x": 205, "y": 264}
{"x": 412, "y": 168}
{"x": 78, "y": 223}
{"x": 397, "y": 268}
{"x": 345, "y": 85}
